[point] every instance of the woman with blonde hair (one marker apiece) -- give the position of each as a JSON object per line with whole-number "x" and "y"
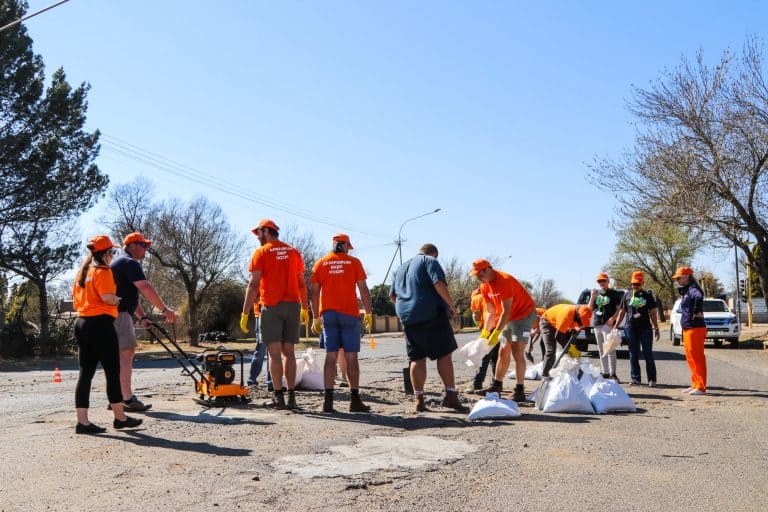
{"x": 94, "y": 297}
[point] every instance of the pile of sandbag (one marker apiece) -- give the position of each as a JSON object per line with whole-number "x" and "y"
{"x": 579, "y": 388}
{"x": 494, "y": 407}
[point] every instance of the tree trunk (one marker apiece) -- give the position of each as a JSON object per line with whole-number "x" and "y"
{"x": 194, "y": 322}
{"x": 762, "y": 266}
{"x": 45, "y": 341}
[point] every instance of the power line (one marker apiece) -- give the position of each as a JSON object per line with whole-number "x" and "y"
{"x": 25, "y": 18}
{"x": 156, "y": 161}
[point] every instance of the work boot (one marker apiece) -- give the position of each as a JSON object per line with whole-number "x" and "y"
{"x": 357, "y": 405}
{"x": 291, "y": 400}
{"x": 496, "y": 387}
{"x": 421, "y": 405}
{"x": 451, "y": 401}
{"x": 519, "y": 394}
{"x": 278, "y": 400}
{"x": 328, "y": 402}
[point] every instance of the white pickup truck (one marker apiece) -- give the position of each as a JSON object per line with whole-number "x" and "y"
{"x": 721, "y": 323}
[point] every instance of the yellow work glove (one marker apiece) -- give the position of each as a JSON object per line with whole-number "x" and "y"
{"x": 304, "y": 317}
{"x": 485, "y": 334}
{"x": 494, "y": 338}
{"x": 244, "y": 323}
{"x": 368, "y": 322}
{"x": 317, "y": 325}
{"x": 574, "y": 352}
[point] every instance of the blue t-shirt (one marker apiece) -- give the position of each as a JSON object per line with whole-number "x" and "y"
{"x": 414, "y": 288}
{"x": 127, "y": 271}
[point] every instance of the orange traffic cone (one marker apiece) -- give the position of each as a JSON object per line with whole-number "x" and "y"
{"x": 56, "y": 375}
{"x": 373, "y": 343}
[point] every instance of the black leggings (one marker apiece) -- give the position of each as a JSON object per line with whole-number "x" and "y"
{"x": 97, "y": 342}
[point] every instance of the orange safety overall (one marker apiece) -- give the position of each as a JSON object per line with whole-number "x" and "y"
{"x": 693, "y": 341}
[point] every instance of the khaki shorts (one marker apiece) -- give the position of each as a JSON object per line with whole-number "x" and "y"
{"x": 126, "y": 333}
{"x": 280, "y": 322}
{"x": 520, "y": 330}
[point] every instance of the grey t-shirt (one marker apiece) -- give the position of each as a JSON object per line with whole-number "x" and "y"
{"x": 414, "y": 288}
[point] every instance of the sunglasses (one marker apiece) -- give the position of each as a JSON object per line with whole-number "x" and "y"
{"x": 637, "y": 284}
{"x": 143, "y": 245}
{"x": 602, "y": 280}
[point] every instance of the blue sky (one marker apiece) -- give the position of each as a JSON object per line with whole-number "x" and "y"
{"x": 365, "y": 114}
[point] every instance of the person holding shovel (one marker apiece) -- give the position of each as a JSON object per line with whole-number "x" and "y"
{"x": 336, "y": 277}
{"x": 557, "y": 325}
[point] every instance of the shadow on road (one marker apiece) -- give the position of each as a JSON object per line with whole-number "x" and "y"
{"x": 204, "y": 418}
{"x": 139, "y": 438}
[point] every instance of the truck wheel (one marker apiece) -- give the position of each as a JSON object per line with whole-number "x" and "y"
{"x": 718, "y": 342}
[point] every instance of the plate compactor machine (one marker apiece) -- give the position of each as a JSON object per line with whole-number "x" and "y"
{"x": 213, "y": 371}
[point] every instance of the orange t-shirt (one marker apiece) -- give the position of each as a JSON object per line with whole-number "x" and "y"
{"x": 561, "y": 317}
{"x": 87, "y": 300}
{"x": 338, "y": 274}
{"x": 282, "y": 273}
{"x": 503, "y": 287}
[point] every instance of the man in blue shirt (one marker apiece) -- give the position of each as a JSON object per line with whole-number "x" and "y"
{"x": 425, "y": 308}
{"x": 131, "y": 280}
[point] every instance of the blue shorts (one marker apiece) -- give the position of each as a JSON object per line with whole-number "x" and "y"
{"x": 341, "y": 331}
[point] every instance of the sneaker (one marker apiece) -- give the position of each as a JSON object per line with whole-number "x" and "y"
{"x": 651, "y": 383}
{"x": 128, "y": 422}
{"x": 635, "y": 383}
{"x": 688, "y": 390}
{"x": 696, "y": 391}
{"x": 89, "y": 429}
{"x": 135, "y": 405}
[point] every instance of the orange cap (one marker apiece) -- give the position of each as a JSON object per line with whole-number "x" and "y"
{"x": 602, "y": 276}
{"x": 341, "y": 237}
{"x": 101, "y": 243}
{"x": 586, "y": 315}
{"x": 265, "y": 223}
{"x": 683, "y": 271}
{"x": 479, "y": 266}
{"x": 637, "y": 277}
{"x": 136, "y": 237}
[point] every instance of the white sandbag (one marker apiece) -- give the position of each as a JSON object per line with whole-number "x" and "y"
{"x": 532, "y": 372}
{"x": 612, "y": 342}
{"x": 312, "y": 377}
{"x": 474, "y": 351}
{"x": 586, "y": 381}
{"x": 494, "y": 407}
{"x": 567, "y": 365}
{"x": 607, "y": 395}
{"x": 565, "y": 395}
{"x": 300, "y": 364}
{"x": 534, "y": 394}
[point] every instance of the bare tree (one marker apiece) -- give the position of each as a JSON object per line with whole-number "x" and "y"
{"x": 460, "y": 284}
{"x": 545, "y": 294}
{"x": 197, "y": 244}
{"x": 655, "y": 248}
{"x": 701, "y": 152}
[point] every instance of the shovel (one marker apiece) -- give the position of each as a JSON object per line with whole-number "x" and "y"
{"x": 542, "y": 392}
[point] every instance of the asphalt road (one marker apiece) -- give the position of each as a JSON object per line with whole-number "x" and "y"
{"x": 676, "y": 453}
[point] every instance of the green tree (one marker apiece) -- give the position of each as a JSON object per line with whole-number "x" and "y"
{"x": 710, "y": 283}
{"x": 381, "y": 304}
{"x": 701, "y": 152}
{"x": 655, "y": 248}
{"x": 47, "y": 170}
{"x": 754, "y": 276}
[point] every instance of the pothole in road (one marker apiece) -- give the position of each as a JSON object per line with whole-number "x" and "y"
{"x": 375, "y": 453}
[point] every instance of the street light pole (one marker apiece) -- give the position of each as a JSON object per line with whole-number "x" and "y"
{"x": 399, "y": 244}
